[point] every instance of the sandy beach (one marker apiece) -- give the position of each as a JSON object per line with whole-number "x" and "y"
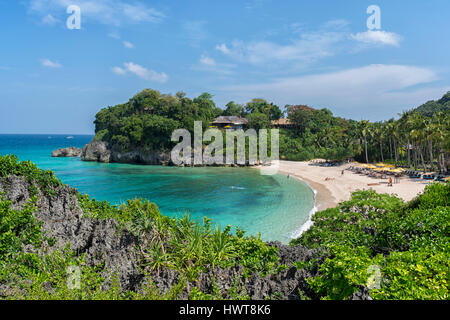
{"x": 339, "y": 187}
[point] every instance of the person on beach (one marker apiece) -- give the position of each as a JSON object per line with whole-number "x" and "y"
{"x": 390, "y": 182}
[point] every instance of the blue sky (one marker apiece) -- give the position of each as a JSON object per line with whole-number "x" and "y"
{"x": 320, "y": 53}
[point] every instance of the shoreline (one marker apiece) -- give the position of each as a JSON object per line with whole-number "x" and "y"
{"x": 324, "y": 199}
{"x": 332, "y": 187}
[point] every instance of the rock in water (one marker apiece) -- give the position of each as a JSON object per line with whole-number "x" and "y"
{"x": 67, "y": 152}
{"x": 96, "y": 151}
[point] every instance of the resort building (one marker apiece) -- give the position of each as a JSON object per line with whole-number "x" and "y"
{"x": 282, "y": 123}
{"x": 229, "y": 122}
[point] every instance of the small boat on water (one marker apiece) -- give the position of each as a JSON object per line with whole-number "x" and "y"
{"x": 69, "y": 137}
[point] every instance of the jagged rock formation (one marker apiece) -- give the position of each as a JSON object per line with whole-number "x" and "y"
{"x": 102, "y": 151}
{"x": 105, "y": 241}
{"x": 67, "y": 152}
{"x": 63, "y": 220}
{"x": 96, "y": 151}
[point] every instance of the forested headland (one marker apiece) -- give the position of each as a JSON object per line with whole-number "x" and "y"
{"x": 418, "y": 139}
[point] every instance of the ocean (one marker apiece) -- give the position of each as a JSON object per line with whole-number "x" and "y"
{"x": 274, "y": 206}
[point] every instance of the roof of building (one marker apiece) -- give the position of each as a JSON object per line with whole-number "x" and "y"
{"x": 230, "y": 120}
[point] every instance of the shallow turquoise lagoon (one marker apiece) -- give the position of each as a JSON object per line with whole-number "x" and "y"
{"x": 275, "y": 206}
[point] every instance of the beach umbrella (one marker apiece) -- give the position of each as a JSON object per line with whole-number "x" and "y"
{"x": 371, "y": 166}
{"x": 380, "y": 164}
{"x": 390, "y": 166}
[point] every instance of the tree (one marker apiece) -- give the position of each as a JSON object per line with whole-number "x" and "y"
{"x": 234, "y": 109}
{"x": 258, "y": 121}
{"x": 364, "y": 130}
{"x": 262, "y": 106}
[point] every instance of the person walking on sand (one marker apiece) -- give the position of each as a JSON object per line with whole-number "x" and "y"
{"x": 342, "y": 173}
{"x": 390, "y": 182}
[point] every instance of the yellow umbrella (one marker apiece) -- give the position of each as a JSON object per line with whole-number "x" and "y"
{"x": 371, "y": 166}
{"x": 380, "y": 164}
{"x": 379, "y": 169}
{"x": 390, "y": 166}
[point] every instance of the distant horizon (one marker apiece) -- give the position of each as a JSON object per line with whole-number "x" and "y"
{"x": 283, "y": 108}
{"x": 45, "y": 134}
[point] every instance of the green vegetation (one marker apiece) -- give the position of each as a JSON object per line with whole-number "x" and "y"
{"x": 414, "y": 141}
{"x": 419, "y": 139}
{"x": 45, "y": 180}
{"x": 184, "y": 245}
{"x": 432, "y": 107}
{"x": 318, "y": 134}
{"x": 397, "y": 250}
{"x": 148, "y": 119}
{"x": 406, "y": 243}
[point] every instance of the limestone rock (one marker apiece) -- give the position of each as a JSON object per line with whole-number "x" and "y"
{"x": 67, "y": 152}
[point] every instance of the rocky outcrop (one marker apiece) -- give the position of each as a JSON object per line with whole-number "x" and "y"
{"x": 67, "y": 152}
{"x": 99, "y": 151}
{"x": 104, "y": 241}
{"x": 142, "y": 157}
{"x": 100, "y": 240}
{"x": 102, "y": 151}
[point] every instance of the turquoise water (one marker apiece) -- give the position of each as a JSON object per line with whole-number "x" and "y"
{"x": 275, "y": 206}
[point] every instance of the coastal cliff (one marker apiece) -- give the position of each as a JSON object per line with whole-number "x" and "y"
{"x": 102, "y": 151}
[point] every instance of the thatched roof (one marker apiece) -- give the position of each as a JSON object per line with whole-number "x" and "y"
{"x": 230, "y": 120}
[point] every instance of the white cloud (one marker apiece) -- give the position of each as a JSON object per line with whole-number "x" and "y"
{"x": 141, "y": 72}
{"x": 110, "y": 12}
{"x": 377, "y": 37}
{"x": 50, "y": 64}
{"x": 128, "y": 45}
{"x": 223, "y": 48}
{"x": 50, "y": 20}
{"x": 309, "y": 47}
{"x": 373, "y": 91}
{"x": 119, "y": 70}
{"x": 207, "y": 61}
{"x": 208, "y": 64}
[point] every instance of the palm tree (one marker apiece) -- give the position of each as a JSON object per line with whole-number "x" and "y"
{"x": 417, "y": 124}
{"x": 364, "y": 129}
{"x": 390, "y": 129}
{"x": 379, "y": 131}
